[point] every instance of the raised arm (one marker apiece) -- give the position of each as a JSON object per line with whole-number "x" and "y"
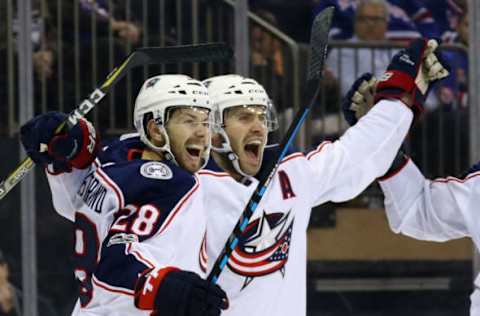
{"x": 437, "y": 210}
{"x": 67, "y": 155}
{"x": 344, "y": 168}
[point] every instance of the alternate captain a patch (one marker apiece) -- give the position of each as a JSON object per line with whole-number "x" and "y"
{"x": 263, "y": 248}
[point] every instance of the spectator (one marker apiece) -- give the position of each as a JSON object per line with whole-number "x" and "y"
{"x": 266, "y": 52}
{"x": 446, "y": 14}
{"x": 452, "y": 90}
{"x": 105, "y": 17}
{"x": 407, "y": 19}
{"x": 370, "y": 25}
{"x": 448, "y": 118}
{"x": 44, "y": 56}
{"x": 11, "y": 296}
{"x": 344, "y": 65}
{"x": 267, "y": 62}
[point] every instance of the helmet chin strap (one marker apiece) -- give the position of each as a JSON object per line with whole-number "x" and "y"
{"x": 228, "y": 151}
{"x": 165, "y": 150}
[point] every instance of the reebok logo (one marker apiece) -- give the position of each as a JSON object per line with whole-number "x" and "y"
{"x": 406, "y": 59}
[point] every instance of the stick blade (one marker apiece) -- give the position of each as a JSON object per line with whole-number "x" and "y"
{"x": 209, "y": 52}
{"x": 319, "y": 42}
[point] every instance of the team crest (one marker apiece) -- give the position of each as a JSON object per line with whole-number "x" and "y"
{"x": 263, "y": 248}
{"x": 156, "y": 170}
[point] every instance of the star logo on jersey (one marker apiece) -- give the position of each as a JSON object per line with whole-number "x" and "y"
{"x": 202, "y": 254}
{"x": 264, "y": 247}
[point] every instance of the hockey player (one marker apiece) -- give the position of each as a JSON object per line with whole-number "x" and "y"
{"x": 266, "y": 272}
{"x": 435, "y": 210}
{"x": 138, "y": 214}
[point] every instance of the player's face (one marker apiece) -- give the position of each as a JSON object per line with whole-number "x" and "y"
{"x": 189, "y": 133}
{"x": 246, "y": 127}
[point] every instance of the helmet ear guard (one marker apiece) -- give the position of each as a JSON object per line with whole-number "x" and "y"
{"x": 157, "y": 97}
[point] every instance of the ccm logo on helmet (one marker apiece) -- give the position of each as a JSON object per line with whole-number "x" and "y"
{"x": 199, "y": 92}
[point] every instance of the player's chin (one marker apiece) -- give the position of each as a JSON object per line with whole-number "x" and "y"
{"x": 250, "y": 167}
{"x": 191, "y": 164}
{"x": 191, "y": 167}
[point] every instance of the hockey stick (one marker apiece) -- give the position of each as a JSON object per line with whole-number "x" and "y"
{"x": 140, "y": 57}
{"x": 318, "y": 42}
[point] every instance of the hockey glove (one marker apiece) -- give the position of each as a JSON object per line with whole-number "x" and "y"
{"x": 410, "y": 73}
{"x": 74, "y": 148}
{"x": 170, "y": 291}
{"x": 359, "y": 99}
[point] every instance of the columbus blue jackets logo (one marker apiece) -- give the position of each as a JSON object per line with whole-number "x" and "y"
{"x": 264, "y": 247}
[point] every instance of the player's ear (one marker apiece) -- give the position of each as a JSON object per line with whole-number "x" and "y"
{"x": 156, "y": 137}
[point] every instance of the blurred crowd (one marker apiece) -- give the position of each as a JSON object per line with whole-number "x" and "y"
{"x": 401, "y": 20}
{"x": 372, "y": 29}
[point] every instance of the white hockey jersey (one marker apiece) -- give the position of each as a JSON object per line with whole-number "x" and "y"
{"x": 266, "y": 274}
{"x": 129, "y": 215}
{"x": 438, "y": 210}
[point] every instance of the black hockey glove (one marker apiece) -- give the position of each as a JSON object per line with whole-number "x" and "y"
{"x": 75, "y": 148}
{"x": 174, "y": 292}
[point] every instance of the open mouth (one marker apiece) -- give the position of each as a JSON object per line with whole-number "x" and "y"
{"x": 252, "y": 149}
{"x": 194, "y": 150}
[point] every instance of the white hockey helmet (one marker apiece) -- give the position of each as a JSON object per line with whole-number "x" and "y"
{"x": 230, "y": 91}
{"x": 161, "y": 93}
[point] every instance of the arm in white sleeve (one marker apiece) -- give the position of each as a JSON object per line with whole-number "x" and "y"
{"x": 343, "y": 169}
{"x": 437, "y": 210}
{"x": 64, "y": 188}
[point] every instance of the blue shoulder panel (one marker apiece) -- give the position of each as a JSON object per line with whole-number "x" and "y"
{"x": 120, "y": 149}
{"x": 213, "y": 166}
{"x": 158, "y": 183}
{"x": 117, "y": 269}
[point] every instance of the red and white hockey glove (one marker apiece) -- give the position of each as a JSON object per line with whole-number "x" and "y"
{"x": 170, "y": 291}
{"x": 76, "y": 147}
{"x": 410, "y": 74}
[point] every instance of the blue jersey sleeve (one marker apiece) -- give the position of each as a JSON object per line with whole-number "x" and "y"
{"x": 160, "y": 185}
{"x": 147, "y": 186}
